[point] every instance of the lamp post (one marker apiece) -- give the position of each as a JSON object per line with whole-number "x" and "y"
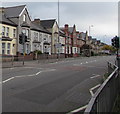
{"x": 90, "y": 36}
{"x": 90, "y": 29}
{"x": 58, "y": 55}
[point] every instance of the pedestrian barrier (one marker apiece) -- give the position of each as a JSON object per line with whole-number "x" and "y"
{"x": 104, "y": 98}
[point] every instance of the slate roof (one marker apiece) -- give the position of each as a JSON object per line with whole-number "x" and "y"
{"x": 14, "y": 11}
{"x": 47, "y": 23}
{"x": 82, "y": 35}
{"x": 62, "y": 33}
{"x": 34, "y": 26}
{"x": 6, "y": 20}
{"x": 25, "y": 24}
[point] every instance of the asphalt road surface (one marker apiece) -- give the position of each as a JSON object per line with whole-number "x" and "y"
{"x": 62, "y": 86}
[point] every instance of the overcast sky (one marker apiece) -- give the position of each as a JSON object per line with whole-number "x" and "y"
{"x": 102, "y": 15}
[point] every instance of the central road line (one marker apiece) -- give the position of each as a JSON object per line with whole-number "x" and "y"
{"x": 8, "y": 79}
{"x": 95, "y": 76}
{"x": 27, "y": 75}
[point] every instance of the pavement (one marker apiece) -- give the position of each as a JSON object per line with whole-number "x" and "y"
{"x": 61, "y": 86}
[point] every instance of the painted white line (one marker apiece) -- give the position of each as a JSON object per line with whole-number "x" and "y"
{"x": 77, "y": 110}
{"x": 86, "y": 62}
{"x": 91, "y": 90}
{"x": 8, "y": 79}
{"x": 95, "y": 76}
{"x": 38, "y": 73}
{"x": 25, "y": 76}
{"x": 28, "y": 75}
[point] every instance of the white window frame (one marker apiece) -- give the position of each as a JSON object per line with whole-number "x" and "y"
{"x": 7, "y": 31}
{"x": 8, "y": 48}
{"x": 3, "y": 48}
{"x": 40, "y": 37}
{"x": 3, "y": 30}
{"x": 24, "y": 18}
{"x": 14, "y": 33}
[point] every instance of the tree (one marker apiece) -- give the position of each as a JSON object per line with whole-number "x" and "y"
{"x": 110, "y": 48}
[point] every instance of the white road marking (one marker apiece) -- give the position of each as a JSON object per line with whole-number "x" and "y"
{"x": 8, "y": 79}
{"x": 77, "y": 110}
{"x": 38, "y": 72}
{"x": 91, "y": 90}
{"x": 48, "y": 70}
{"x": 86, "y": 62}
{"x": 95, "y": 76}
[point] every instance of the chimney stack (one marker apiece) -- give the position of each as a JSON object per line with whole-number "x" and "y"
{"x": 66, "y": 26}
{"x": 2, "y": 9}
{"x": 37, "y": 21}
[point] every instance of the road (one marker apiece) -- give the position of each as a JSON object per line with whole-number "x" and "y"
{"x": 62, "y": 86}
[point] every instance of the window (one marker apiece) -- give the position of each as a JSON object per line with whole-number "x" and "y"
{"x": 24, "y": 17}
{"x": 7, "y": 31}
{"x": 14, "y": 33}
{"x": 8, "y": 48}
{"x": 23, "y": 30}
{"x": 27, "y": 33}
{"x": 3, "y": 30}
{"x": 3, "y": 48}
{"x": 45, "y": 37}
{"x": 75, "y": 50}
{"x": 27, "y": 48}
{"x": 40, "y": 37}
{"x": 13, "y": 45}
{"x": 35, "y": 36}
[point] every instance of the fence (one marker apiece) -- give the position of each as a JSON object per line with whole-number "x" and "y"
{"x": 104, "y": 98}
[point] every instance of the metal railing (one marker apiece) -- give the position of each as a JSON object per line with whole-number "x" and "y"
{"x": 104, "y": 98}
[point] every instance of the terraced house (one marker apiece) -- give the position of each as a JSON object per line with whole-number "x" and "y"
{"x": 8, "y": 35}
{"x": 40, "y": 38}
{"x": 42, "y": 35}
{"x": 52, "y": 26}
{"x": 20, "y": 17}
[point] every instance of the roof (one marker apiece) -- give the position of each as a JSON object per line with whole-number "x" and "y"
{"x": 47, "y": 23}
{"x": 14, "y": 11}
{"x": 7, "y": 21}
{"x": 61, "y": 33}
{"x": 25, "y": 24}
{"x": 36, "y": 27}
{"x": 70, "y": 29}
{"x": 83, "y": 35}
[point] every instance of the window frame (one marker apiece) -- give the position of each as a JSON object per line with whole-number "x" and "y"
{"x": 3, "y": 30}
{"x": 7, "y": 31}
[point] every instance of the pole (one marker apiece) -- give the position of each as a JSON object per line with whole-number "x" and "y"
{"x": 23, "y": 40}
{"x": 117, "y": 58}
{"x": 58, "y": 32}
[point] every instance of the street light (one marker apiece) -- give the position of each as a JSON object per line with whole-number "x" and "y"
{"x": 89, "y": 36}
{"x": 90, "y": 29}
